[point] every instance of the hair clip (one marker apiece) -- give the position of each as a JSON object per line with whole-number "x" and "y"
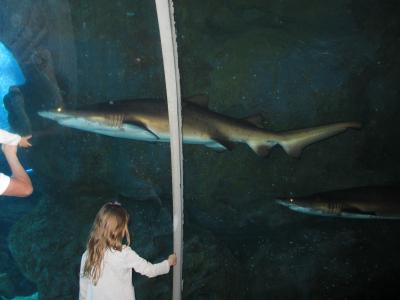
{"x": 115, "y": 203}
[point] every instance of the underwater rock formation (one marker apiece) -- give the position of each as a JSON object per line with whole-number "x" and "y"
{"x": 17, "y": 117}
{"x": 7, "y": 288}
{"x": 40, "y": 35}
{"x": 299, "y": 63}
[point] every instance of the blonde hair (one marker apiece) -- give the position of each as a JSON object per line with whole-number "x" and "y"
{"x": 109, "y": 230}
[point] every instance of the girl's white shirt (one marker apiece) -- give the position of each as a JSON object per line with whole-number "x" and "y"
{"x": 115, "y": 282}
{"x": 7, "y": 138}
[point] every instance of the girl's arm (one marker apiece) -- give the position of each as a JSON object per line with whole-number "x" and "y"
{"x": 142, "y": 266}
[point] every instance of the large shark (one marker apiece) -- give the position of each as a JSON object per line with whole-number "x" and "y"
{"x": 147, "y": 120}
{"x": 356, "y": 203}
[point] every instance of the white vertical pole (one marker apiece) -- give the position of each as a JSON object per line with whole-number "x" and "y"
{"x": 165, "y": 13}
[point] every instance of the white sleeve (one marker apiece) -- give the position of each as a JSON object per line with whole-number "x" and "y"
{"x": 4, "y": 182}
{"x": 83, "y": 281}
{"x": 9, "y": 138}
{"x": 142, "y": 266}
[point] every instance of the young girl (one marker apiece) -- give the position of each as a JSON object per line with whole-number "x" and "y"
{"x": 106, "y": 266}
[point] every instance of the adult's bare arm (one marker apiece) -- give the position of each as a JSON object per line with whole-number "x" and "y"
{"x": 20, "y": 183}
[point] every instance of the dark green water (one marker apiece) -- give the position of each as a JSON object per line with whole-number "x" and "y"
{"x": 298, "y": 63}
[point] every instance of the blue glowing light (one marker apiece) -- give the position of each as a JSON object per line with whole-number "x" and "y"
{"x": 10, "y": 74}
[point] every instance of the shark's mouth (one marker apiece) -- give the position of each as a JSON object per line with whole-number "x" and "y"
{"x": 55, "y": 115}
{"x": 290, "y": 203}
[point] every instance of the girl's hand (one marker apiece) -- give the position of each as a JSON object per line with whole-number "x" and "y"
{"x": 172, "y": 260}
{"x": 24, "y": 143}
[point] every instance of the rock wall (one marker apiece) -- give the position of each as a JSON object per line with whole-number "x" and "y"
{"x": 299, "y": 63}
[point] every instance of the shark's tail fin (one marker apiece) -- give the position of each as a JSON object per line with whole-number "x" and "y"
{"x": 293, "y": 142}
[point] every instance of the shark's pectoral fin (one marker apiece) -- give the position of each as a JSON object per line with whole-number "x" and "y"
{"x": 220, "y": 145}
{"x": 354, "y": 210}
{"x": 215, "y": 146}
{"x": 142, "y": 129}
{"x": 228, "y": 145}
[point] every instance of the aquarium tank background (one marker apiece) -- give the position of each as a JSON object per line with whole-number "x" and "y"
{"x": 293, "y": 64}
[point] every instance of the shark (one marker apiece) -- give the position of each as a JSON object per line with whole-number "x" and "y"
{"x": 370, "y": 202}
{"x": 147, "y": 120}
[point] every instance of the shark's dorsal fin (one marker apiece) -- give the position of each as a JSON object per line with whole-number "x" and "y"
{"x": 200, "y": 100}
{"x": 257, "y": 120}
